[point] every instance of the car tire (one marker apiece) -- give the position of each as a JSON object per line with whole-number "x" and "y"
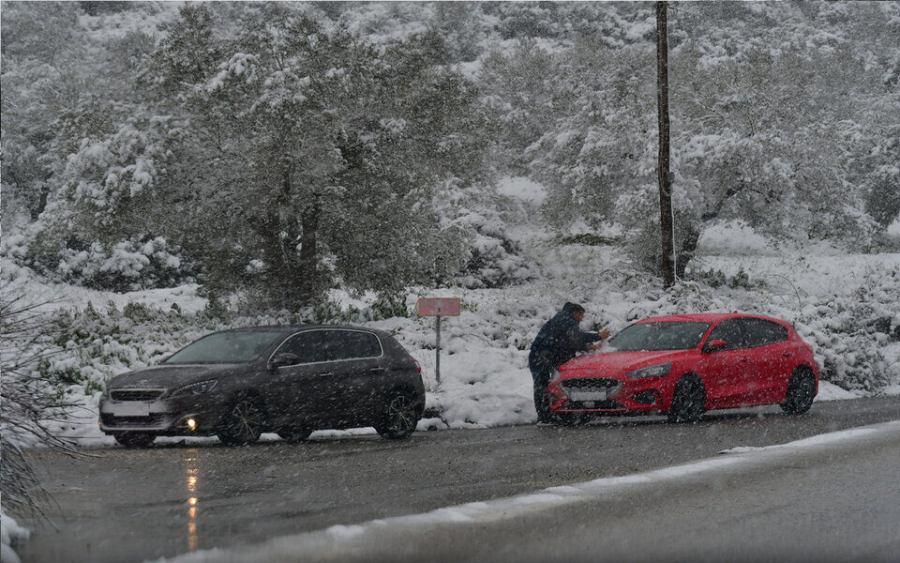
{"x": 801, "y": 391}
{"x": 134, "y": 439}
{"x": 399, "y": 416}
{"x": 688, "y": 400}
{"x": 242, "y": 423}
{"x": 294, "y": 435}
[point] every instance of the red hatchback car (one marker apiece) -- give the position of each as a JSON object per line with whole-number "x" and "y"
{"x": 683, "y": 365}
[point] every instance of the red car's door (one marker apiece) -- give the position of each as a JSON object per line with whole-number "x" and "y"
{"x": 772, "y": 357}
{"x": 727, "y": 373}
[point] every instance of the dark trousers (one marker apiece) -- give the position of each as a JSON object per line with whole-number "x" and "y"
{"x": 540, "y": 374}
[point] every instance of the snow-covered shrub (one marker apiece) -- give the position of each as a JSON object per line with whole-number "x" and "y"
{"x": 493, "y": 259}
{"x": 97, "y": 344}
{"x": 27, "y": 403}
{"x": 851, "y": 332}
{"x": 150, "y": 262}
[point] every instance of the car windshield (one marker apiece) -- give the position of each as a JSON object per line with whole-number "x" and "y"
{"x": 659, "y": 336}
{"x": 225, "y": 348}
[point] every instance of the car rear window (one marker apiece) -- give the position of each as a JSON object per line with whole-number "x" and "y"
{"x": 225, "y": 348}
{"x": 351, "y": 344}
{"x": 760, "y": 332}
{"x": 659, "y": 336}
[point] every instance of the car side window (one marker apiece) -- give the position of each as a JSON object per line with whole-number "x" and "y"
{"x": 351, "y": 344}
{"x": 730, "y": 332}
{"x": 310, "y": 347}
{"x": 761, "y": 332}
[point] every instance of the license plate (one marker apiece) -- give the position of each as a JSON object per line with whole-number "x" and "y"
{"x": 136, "y": 408}
{"x": 588, "y": 396}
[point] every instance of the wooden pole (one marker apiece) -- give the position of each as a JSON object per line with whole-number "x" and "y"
{"x": 663, "y": 174}
{"x": 437, "y": 353}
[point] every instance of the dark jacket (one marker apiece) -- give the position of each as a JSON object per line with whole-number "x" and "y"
{"x": 558, "y": 341}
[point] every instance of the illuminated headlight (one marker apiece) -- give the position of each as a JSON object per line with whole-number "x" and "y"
{"x": 651, "y": 371}
{"x": 195, "y": 388}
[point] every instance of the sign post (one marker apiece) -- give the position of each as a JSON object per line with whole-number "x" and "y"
{"x": 438, "y": 307}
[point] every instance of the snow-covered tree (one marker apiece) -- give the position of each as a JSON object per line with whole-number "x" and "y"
{"x": 318, "y": 152}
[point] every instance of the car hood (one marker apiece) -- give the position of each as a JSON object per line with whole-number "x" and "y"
{"x": 167, "y": 376}
{"x": 611, "y": 364}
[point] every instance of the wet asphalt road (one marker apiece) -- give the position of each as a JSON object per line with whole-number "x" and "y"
{"x": 133, "y": 505}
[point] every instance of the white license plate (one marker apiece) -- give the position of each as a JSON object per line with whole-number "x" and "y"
{"x": 588, "y": 396}
{"x": 135, "y": 408}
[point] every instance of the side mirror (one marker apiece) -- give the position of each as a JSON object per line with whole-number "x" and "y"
{"x": 714, "y": 345}
{"x": 284, "y": 359}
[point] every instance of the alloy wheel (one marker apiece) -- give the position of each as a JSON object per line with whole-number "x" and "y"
{"x": 401, "y": 414}
{"x": 244, "y": 424}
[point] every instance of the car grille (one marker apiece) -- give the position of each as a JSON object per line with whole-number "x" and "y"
{"x": 136, "y": 394}
{"x": 592, "y": 405}
{"x": 110, "y": 420}
{"x": 581, "y": 384}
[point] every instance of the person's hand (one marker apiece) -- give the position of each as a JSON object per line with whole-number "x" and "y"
{"x": 604, "y": 334}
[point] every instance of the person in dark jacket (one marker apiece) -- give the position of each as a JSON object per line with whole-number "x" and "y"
{"x": 555, "y": 344}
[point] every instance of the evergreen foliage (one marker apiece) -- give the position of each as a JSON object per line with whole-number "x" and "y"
{"x": 284, "y": 149}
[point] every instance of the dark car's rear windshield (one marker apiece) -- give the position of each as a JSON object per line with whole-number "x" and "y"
{"x": 225, "y": 348}
{"x": 659, "y": 336}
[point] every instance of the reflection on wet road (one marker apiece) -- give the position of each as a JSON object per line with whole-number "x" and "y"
{"x": 192, "y": 470}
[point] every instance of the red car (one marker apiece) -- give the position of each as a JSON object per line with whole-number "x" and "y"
{"x": 683, "y": 365}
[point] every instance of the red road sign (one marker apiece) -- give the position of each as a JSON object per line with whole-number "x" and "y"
{"x": 438, "y": 306}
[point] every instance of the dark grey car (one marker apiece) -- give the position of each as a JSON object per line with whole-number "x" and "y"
{"x": 291, "y": 380}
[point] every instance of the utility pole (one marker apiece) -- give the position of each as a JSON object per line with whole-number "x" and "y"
{"x": 665, "y": 177}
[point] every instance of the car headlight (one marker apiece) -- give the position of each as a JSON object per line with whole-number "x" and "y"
{"x": 651, "y": 371}
{"x": 104, "y": 391}
{"x": 195, "y": 388}
{"x": 554, "y": 375}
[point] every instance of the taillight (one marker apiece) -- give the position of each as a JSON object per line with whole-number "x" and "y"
{"x": 418, "y": 367}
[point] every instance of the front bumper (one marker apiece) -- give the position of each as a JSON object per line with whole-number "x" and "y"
{"x": 162, "y": 417}
{"x": 606, "y": 395}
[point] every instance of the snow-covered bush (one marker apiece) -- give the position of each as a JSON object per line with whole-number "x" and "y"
{"x": 492, "y": 258}
{"x": 150, "y": 262}
{"x": 851, "y": 332}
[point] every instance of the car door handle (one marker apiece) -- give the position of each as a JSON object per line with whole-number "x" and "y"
{"x": 375, "y": 370}
{"x": 745, "y": 360}
{"x": 326, "y": 374}
{"x": 787, "y": 354}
